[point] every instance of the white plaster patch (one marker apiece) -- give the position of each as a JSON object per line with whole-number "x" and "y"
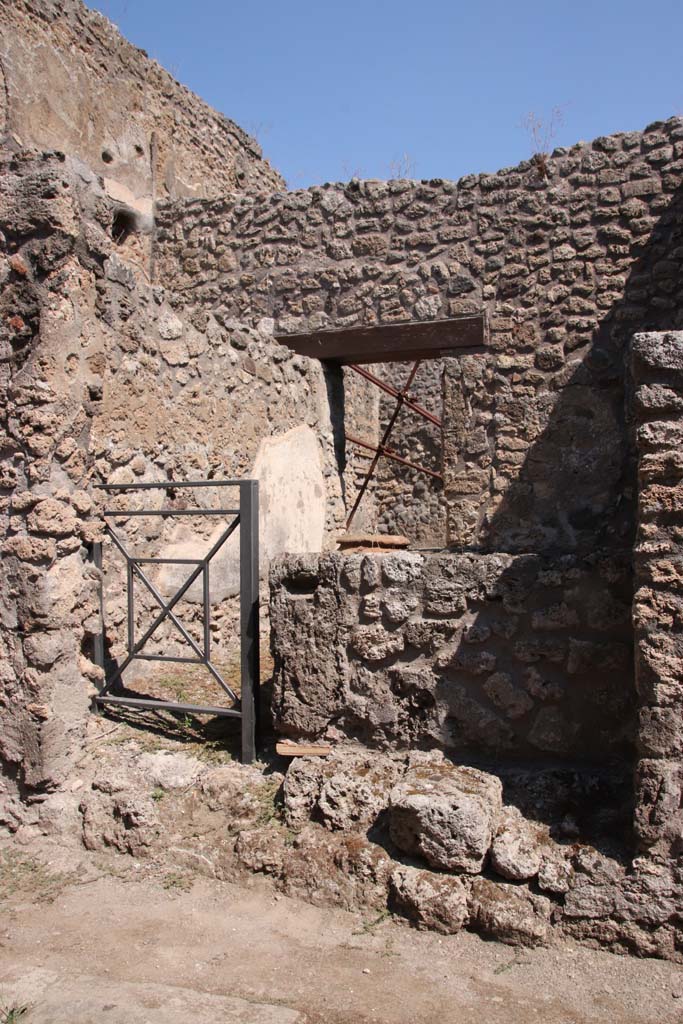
{"x": 292, "y": 498}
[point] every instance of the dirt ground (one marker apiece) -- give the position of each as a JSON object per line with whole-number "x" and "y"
{"x": 109, "y": 940}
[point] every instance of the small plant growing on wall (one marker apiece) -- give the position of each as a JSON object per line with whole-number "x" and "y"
{"x": 541, "y": 132}
{"x": 402, "y": 166}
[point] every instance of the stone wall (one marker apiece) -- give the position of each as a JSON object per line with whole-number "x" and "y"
{"x": 73, "y": 83}
{"x": 567, "y": 259}
{"x": 658, "y": 603}
{"x": 103, "y": 380}
{"x": 505, "y": 656}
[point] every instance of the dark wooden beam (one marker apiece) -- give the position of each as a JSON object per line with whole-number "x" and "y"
{"x": 428, "y": 339}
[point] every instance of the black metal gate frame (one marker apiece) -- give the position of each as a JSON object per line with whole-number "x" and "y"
{"x": 247, "y": 518}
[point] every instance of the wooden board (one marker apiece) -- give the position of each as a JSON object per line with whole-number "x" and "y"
{"x": 372, "y": 542}
{"x": 288, "y": 749}
{"x": 416, "y": 339}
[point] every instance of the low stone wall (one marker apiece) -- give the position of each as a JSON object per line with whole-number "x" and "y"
{"x": 513, "y": 656}
{"x": 446, "y": 845}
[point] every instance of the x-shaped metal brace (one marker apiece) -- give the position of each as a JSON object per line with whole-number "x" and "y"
{"x": 134, "y": 570}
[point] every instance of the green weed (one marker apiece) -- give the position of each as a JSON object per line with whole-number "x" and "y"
{"x": 12, "y": 1014}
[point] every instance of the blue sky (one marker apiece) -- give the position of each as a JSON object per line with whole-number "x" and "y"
{"x": 432, "y": 89}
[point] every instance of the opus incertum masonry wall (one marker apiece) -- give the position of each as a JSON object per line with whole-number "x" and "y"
{"x": 147, "y": 272}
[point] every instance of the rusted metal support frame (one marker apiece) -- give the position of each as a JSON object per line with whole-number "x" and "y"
{"x": 389, "y": 453}
{"x": 385, "y": 437}
{"x": 394, "y": 392}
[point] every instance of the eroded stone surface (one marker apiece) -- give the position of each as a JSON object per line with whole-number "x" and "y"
{"x": 460, "y": 667}
{"x": 518, "y": 846}
{"x": 509, "y": 913}
{"x": 446, "y": 814}
{"x": 346, "y": 791}
{"x": 431, "y": 900}
{"x": 170, "y": 770}
{"x": 119, "y": 813}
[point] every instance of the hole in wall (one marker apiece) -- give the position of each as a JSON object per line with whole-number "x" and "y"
{"x": 139, "y": 151}
{"x": 107, "y": 156}
{"x": 123, "y": 225}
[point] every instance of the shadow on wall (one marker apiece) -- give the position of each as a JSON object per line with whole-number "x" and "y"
{"x": 558, "y": 479}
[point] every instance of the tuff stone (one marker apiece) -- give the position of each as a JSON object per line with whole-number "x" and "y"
{"x": 518, "y": 846}
{"x": 509, "y": 913}
{"x": 52, "y": 517}
{"x": 446, "y": 814}
{"x": 430, "y": 900}
{"x": 357, "y": 792}
{"x": 116, "y": 814}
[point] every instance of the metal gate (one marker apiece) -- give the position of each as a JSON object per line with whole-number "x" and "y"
{"x": 244, "y": 706}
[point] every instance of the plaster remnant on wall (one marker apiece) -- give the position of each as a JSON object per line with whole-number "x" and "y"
{"x": 292, "y": 511}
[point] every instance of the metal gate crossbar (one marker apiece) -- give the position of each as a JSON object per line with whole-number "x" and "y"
{"x": 246, "y": 517}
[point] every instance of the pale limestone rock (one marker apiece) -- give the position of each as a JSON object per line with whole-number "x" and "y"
{"x": 301, "y": 790}
{"x": 169, "y": 325}
{"x": 346, "y": 791}
{"x": 555, "y": 871}
{"x": 170, "y": 770}
{"x": 355, "y": 794}
{"x": 261, "y": 850}
{"x": 374, "y": 643}
{"x": 240, "y": 794}
{"x": 118, "y": 813}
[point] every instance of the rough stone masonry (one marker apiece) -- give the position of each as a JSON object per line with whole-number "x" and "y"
{"x": 492, "y": 700}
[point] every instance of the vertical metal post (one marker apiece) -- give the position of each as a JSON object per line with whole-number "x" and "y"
{"x": 249, "y": 616}
{"x": 206, "y": 601}
{"x": 131, "y": 608}
{"x": 99, "y": 636}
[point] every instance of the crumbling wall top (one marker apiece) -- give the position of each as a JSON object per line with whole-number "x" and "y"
{"x": 73, "y": 83}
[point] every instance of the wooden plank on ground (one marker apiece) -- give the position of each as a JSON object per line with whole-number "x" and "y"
{"x": 372, "y": 542}
{"x": 286, "y": 748}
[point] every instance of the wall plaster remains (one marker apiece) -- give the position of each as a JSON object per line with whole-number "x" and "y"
{"x": 143, "y": 294}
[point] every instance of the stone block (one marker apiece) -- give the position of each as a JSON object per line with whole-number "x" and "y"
{"x": 518, "y": 846}
{"x": 660, "y": 732}
{"x": 509, "y": 913}
{"x": 53, "y": 517}
{"x": 374, "y": 643}
{"x": 658, "y": 819}
{"x": 355, "y": 789}
{"x": 430, "y": 900}
{"x": 446, "y": 814}
{"x": 659, "y": 353}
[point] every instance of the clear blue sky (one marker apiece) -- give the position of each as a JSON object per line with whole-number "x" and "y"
{"x": 337, "y": 89}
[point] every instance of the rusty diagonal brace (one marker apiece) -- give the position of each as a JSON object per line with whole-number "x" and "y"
{"x": 385, "y": 437}
{"x": 389, "y": 453}
{"x": 394, "y": 392}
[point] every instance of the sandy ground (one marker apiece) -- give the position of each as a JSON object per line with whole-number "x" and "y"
{"x": 127, "y": 949}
